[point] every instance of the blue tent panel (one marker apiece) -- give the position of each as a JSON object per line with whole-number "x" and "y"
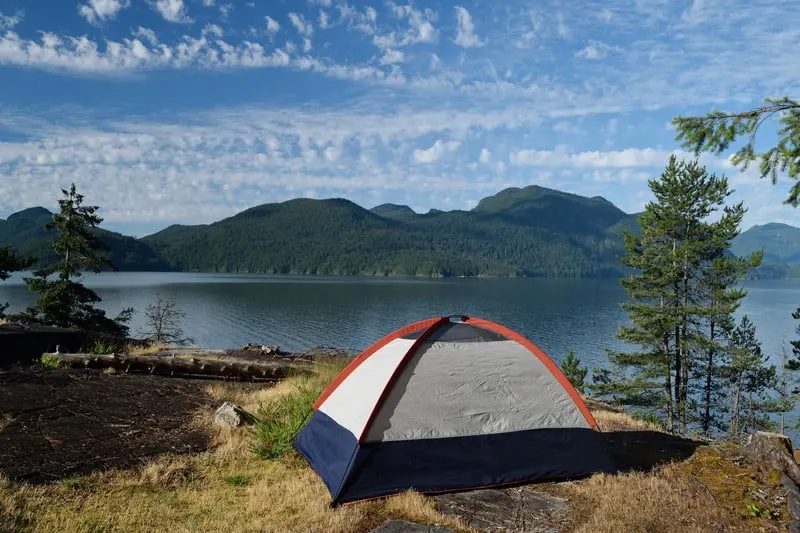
{"x": 328, "y": 448}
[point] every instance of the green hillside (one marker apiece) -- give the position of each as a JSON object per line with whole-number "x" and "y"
{"x": 781, "y": 245}
{"x": 532, "y": 231}
{"x": 500, "y": 237}
{"x": 25, "y": 232}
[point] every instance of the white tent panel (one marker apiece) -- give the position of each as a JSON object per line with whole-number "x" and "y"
{"x": 352, "y": 402}
{"x": 452, "y": 389}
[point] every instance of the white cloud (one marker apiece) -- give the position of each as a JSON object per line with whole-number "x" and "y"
{"x": 561, "y": 26}
{"x": 212, "y": 29}
{"x": 392, "y": 56}
{"x": 146, "y": 34}
{"x": 304, "y": 27}
{"x": 561, "y": 157}
{"x": 82, "y": 55}
{"x": 7, "y": 22}
{"x": 209, "y": 3}
{"x": 420, "y": 27}
{"x": 435, "y": 62}
{"x": 272, "y": 25}
{"x": 224, "y": 10}
{"x": 365, "y": 22}
{"x": 485, "y": 157}
{"x": 95, "y": 11}
{"x": 324, "y": 3}
{"x": 324, "y": 21}
{"x": 172, "y": 10}
{"x": 435, "y": 152}
{"x": 465, "y": 35}
{"x": 596, "y": 50}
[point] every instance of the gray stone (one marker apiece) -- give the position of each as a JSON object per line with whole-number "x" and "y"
{"x": 404, "y": 526}
{"x": 231, "y": 415}
{"x": 520, "y": 510}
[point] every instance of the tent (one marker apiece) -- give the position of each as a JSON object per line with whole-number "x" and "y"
{"x": 448, "y": 404}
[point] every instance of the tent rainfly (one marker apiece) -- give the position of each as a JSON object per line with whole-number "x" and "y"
{"x": 449, "y": 404}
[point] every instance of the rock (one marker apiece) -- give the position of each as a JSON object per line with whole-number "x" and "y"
{"x": 231, "y": 415}
{"x": 520, "y": 510}
{"x": 404, "y": 526}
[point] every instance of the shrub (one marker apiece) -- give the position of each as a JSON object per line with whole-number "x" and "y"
{"x": 50, "y": 361}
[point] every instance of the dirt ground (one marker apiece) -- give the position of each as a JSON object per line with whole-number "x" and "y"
{"x": 60, "y": 423}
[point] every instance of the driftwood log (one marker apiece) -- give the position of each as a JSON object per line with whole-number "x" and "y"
{"x": 186, "y": 366}
{"x": 775, "y": 451}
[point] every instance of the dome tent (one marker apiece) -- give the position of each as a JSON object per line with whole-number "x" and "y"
{"x": 448, "y": 404}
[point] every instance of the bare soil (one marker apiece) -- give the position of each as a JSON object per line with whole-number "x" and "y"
{"x": 60, "y": 423}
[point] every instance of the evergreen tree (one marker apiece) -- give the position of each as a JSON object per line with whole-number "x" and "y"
{"x": 11, "y": 262}
{"x": 682, "y": 283}
{"x": 750, "y": 380}
{"x": 63, "y": 301}
{"x": 576, "y": 374}
{"x": 716, "y": 131}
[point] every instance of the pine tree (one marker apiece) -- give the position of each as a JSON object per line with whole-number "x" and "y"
{"x": 11, "y": 262}
{"x": 750, "y": 380}
{"x": 682, "y": 284}
{"x": 576, "y": 374}
{"x": 716, "y": 131}
{"x": 63, "y": 301}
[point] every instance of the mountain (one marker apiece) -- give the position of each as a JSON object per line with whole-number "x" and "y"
{"x": 532, "y": 231}
{"x": 514, "y": 233}
{"x": 781, "y": 245}
{"x": 25, "y": 231}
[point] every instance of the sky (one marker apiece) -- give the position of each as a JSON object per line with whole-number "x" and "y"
{"x": 188, "y": 111}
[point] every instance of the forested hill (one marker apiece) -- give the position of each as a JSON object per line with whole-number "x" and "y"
{"x": 531, "y": 231}
{"x": 519, "y": 232}
{"x": 781, "y": 245}
{"x": 25, "y": 232}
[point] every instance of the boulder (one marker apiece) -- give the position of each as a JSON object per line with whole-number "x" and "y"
{"x": 404, "y": 526}
{"x": 231, "y": 415}
{"x": 520, "y": 510}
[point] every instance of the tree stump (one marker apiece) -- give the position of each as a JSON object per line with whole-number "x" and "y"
{"x": 775, "y": 450}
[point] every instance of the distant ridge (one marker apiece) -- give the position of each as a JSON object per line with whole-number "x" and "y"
{"x": 531, "y": 231}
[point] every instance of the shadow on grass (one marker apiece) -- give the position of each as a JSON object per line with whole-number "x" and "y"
{"x": 642, "y": 451}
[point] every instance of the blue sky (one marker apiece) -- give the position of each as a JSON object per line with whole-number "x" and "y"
{"x": 187, "y": 111}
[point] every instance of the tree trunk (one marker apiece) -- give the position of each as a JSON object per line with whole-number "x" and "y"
{"x": 684, "y": 348}
{"x": 709, "y": 382}
{"x": 668, "y": 389}
{"x": 734, "y": 427}
{"x": 678, "y": 377}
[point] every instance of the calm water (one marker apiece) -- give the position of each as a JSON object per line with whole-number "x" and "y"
{"x": 299, "y": 313}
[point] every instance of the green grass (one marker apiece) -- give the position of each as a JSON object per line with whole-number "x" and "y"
{"x": 281, "y": 418}
{"x": 237, "y": 480}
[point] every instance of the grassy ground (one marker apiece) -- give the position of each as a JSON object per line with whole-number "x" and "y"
{"x": 235, "y": 490}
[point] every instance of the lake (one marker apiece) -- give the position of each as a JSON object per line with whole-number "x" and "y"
{"x": 298, "y": 313}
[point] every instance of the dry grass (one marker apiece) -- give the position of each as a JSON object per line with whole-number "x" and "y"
{"x": 230, "y": 489}
{"x": 613, "y": 421}
{"x": 227, "y": 489}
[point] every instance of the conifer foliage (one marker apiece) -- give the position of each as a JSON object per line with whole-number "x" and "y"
{"x": 682, "y": 297}
{"x": 64, "y": 301}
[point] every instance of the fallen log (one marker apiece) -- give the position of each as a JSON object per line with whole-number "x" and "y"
{"x": 184, "y": 366}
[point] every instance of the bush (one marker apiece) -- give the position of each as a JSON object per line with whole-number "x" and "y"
{"x": 281, "y": 418}
{"x": 50, "y": 361}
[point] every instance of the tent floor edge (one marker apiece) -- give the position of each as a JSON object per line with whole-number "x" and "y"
{"x": 456, "y": 464}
